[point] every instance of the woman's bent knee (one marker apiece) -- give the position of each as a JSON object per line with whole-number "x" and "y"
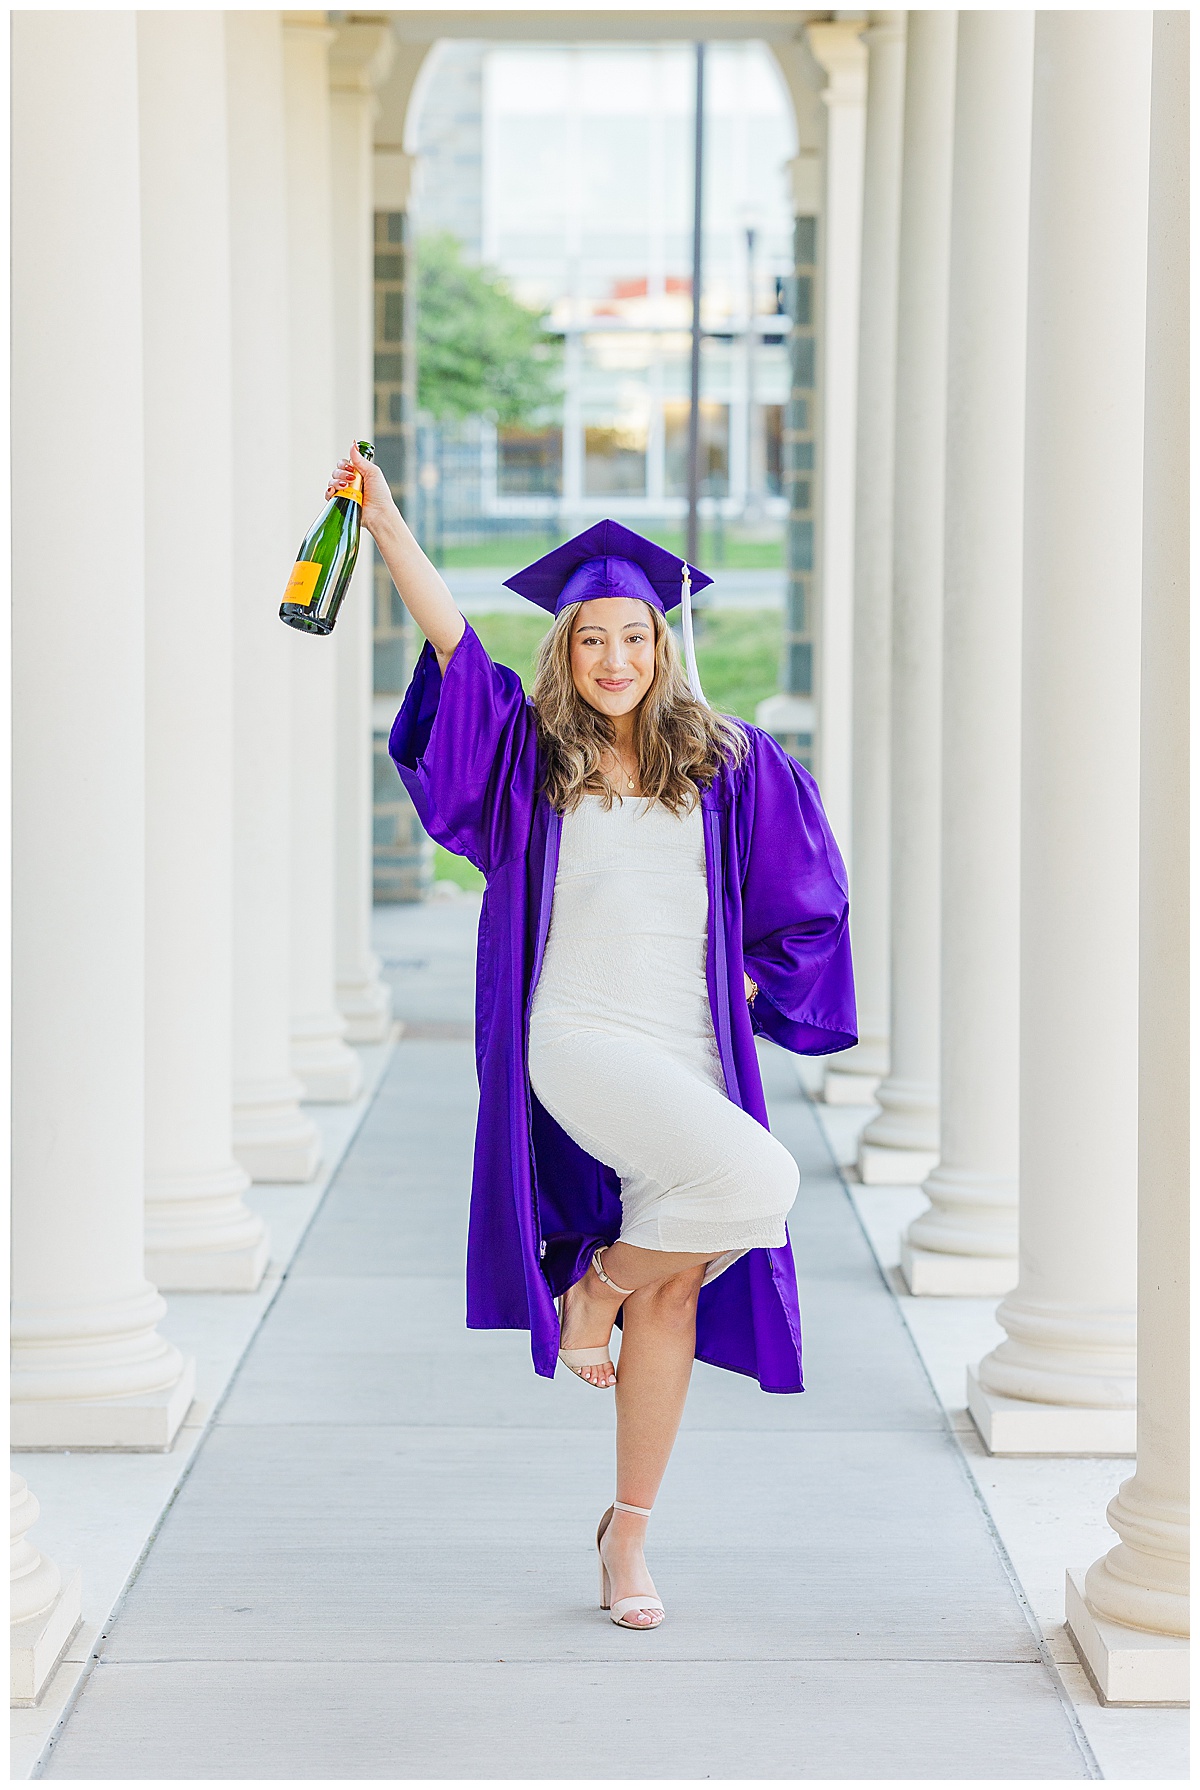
{"x": 672, "y": 1300}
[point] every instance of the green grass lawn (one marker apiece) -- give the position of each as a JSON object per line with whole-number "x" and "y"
{"x": 507, "y": 552}
{"x": 447, "y": 868}
{"x": 738, "y": 654}
{"x": 513, "y": 640}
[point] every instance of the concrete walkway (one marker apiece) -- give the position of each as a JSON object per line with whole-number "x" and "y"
{"x": 381, "y": 1564}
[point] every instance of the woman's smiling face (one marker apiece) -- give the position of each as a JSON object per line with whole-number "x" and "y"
{"x": 612, "y": 653}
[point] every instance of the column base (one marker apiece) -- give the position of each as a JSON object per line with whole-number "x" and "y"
{"x": 366, "y": 1007}
{"x": 881, "y": 1165}
{"x": 272, "y": 1139}
{"x": 1022, "y": 1426}
{"x": 809, "y": 1074}
{"x": 281, "y": 1158}
{"x": 1126, "y": 1665}
{"x": 38, "y": 1644}
{"x": 843, "y": 1089}
{"x": 145, "y": 1423}
{"x": 201, "y": 1237}
{"x": 210, "y": 1270}
{"x": 870, "y": 1056}
{"x": 937, "y": 1274}
{"x": 329, "y": 1071}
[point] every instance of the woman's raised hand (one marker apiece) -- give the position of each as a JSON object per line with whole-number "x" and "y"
{"x": 378, "y": 506}
{"x": 421, "y": 586}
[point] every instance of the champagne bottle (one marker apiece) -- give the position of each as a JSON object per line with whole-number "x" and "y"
{"x": 325, "y": 562}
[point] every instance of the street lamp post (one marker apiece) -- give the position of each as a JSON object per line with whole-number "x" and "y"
{"x": 693, "y": 459}
{"x": 752, "y": 505}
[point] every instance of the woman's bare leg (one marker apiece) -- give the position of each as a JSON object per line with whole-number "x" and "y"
{"x": 591, "y": 1307}
{"x": 658, "y": 1344}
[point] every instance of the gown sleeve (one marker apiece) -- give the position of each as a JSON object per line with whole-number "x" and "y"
{"x": 465, "y": 745}
{"x": 795, "y": 908}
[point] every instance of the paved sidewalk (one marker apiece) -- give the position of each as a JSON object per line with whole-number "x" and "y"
{"x": 381, "y": 1565}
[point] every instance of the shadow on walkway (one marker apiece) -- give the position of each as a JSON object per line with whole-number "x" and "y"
{"x": 382, "y": 1564}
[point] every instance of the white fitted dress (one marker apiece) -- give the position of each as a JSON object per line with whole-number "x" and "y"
{"x": 622, "y": 1051}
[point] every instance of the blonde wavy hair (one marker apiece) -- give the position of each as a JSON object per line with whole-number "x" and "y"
{"x": 681, "y": 743}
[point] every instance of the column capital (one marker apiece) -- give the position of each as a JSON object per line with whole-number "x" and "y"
{"x": 885, "y": 28}
{"x": 839, "y": 49}
{"x": 804, "y": 78}
{"x": 360, "y": 57}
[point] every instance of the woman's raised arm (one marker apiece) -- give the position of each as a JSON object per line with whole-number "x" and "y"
{"x": 422, "y": 587}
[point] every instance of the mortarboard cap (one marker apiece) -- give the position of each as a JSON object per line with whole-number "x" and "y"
{"x": 609, "y": 560}
{"x": 606, "y": 560}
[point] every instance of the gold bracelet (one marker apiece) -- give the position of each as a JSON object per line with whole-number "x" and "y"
{"x": 753, "y": 990}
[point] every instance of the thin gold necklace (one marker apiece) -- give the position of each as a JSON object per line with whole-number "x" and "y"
{"x": 630, "y": 782}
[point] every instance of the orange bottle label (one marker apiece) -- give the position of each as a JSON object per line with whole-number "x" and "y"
{"x": 303, "y": 582}
{"x": 352, "y": 488}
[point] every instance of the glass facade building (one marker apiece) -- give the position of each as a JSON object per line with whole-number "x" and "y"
{"x": 581, "y": 157}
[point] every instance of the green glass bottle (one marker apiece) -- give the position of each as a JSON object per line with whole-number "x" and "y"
{"x": 325, "y": 562}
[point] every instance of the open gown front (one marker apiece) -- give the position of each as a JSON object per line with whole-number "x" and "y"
{"x": 466, "y": 747}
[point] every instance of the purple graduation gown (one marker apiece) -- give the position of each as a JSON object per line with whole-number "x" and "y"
{"x": 466, "y": 747}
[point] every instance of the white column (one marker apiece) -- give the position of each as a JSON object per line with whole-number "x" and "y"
{"x": 360, "y": 58}
{"x": 89, "y": 1367}
{"x": 1130, "y": 1617}
{"x": 200, "y": 1235}
{"x": 966, "y": 1243}
{"x": 44, "y": 1604}
{"x": 272, "y": 1139}
{"x": 326, "y": 1065}
{"x": 853, "y": 1076}
{"x": 901, "y": 1143}
{"x": 1063, "y": 1381}
{"x": 403, "y": 851}
{"x": 842, "y": 54}
{"x": 790, "y": 714}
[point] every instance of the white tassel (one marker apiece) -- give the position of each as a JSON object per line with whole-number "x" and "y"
{"x": 689, "y": 639}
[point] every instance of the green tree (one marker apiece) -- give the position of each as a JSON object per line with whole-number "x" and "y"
{"x": 478, "y": 350}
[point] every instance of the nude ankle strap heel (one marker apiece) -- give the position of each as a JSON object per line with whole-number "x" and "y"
{"x": 577, "y": 1358}
{"x": 624, "y": 1605}
{"x": 599, "y": 1267}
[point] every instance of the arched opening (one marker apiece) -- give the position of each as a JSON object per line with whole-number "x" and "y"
{"x": 564, "y": 167}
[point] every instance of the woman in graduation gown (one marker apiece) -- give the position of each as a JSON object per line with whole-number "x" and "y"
{"x": 662, "y": 885}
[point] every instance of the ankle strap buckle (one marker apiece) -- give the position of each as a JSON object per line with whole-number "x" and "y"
{"x": 599, "y": 1267}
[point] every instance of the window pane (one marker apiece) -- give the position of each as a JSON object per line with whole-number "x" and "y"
{"x": 614, "y": 461}
{"x": 616, "y": 413}
{"x": 529, "y": 462}
{"x": 714, "y": 448}
{"x": 772, "y": 415}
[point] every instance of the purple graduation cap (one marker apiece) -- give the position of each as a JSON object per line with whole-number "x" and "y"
{"x": 608, "y": 560}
